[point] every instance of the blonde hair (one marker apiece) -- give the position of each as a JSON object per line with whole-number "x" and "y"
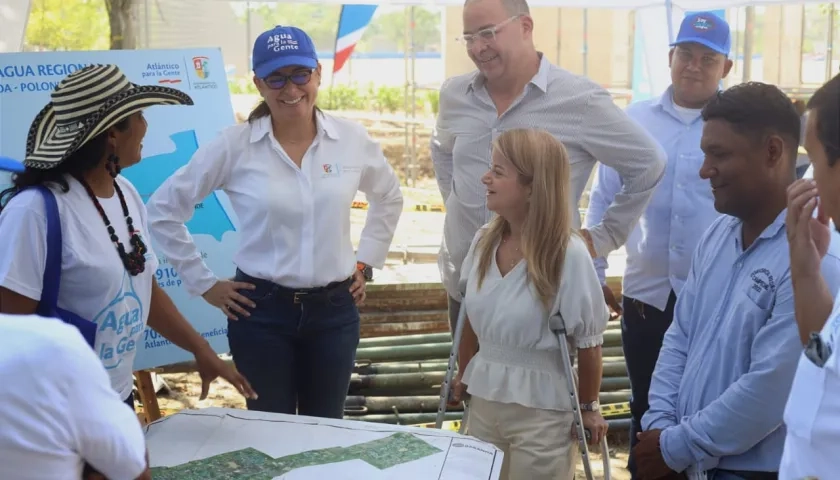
{"x": 542, "y": 163}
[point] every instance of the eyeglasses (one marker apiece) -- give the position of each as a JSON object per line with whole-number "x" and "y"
{"x": 485, "y": 35}
{"x": 275, "y": 81}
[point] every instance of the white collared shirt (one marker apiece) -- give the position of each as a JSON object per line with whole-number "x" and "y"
{"x": 57, "y": 407}
{"x": 576, "y": 111}
{"x": 812, "y": 414}
{"x": 294, "y": 222}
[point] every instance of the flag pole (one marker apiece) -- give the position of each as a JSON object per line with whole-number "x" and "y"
{"x": 335, "y": 51}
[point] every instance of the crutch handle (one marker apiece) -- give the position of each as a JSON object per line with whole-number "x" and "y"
{"x": 605, "y": 452}
{"x": 557, "y": 324}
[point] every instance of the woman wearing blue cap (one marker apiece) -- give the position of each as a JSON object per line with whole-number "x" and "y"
{"x": 291, "y": 173}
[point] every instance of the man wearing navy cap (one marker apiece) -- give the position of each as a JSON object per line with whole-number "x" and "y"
{"x": 659, "y": 250}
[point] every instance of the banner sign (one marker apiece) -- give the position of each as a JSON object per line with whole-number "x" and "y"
{"x": 174, "y": 134}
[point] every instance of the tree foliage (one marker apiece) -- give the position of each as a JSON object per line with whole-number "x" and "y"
{"x": 67, "y": 25}
{"x": 390, "y": 29}
{"x": 80, "y": 25}
{"x": 385, "y": 33}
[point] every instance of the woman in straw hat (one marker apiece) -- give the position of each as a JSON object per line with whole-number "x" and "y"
{"x": 76, "y": 146}
{"x": 291, "y": 173}
{"x": 34, "y": 444}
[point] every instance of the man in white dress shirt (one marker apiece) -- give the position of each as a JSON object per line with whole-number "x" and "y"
{"x": 516, "y": 86}
{"x": 812, "y": 414}
{"x": 57, "y": 407}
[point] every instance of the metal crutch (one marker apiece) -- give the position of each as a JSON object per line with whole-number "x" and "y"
{"x": 450, "y": 369}
{"x": 558, "y": 326}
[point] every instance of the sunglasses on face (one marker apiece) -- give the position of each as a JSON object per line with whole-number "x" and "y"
{"x": 277, "y": 81}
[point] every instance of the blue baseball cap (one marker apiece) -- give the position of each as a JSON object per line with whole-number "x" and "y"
{"x": 280, "y": 47}
{"x": 9, "y": 165}
{"x": 707, "y": 29}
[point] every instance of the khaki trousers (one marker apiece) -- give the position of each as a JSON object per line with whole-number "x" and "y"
{"x": 538, "y": 444}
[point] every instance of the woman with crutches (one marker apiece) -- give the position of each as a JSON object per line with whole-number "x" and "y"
{"x": 523, "y": 267}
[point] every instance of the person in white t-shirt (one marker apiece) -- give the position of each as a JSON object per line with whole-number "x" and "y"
{"x": 76, "y": 145}
{"x": 522, "y": 267}
{"x": 291, "y": 173}
{"x": 812, "y": 414}
{"x": 57, "y": 407}
{"x": 58, "y": 410}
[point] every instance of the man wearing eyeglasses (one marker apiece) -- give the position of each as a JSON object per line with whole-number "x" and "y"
{"x": 812, "y": 414}
{"x": 515, "y": 86}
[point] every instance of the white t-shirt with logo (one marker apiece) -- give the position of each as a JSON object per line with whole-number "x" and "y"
{"x": 57, "y": 407}
{"x": 812, "y": 414}
{"x": 94, "y": 282}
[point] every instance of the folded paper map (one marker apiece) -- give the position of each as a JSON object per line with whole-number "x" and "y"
{"x": 220, "y": 444}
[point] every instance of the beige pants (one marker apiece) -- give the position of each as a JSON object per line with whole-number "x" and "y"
{"x": 538, "y": 444}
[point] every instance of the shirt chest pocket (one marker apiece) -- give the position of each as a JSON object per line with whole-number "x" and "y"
{"x": 471, "y": 159}
{"x": 472, "y": 144}
{"x": 754, "y": 307}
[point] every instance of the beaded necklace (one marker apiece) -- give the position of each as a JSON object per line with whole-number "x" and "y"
{"x": 135, "y": 262}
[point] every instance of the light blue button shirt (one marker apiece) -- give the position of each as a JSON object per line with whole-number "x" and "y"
{"x": 682, "y": 207}
{"x": 728, "y": 360}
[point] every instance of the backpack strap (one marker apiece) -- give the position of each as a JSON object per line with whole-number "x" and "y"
{"x": 52, "y": 271}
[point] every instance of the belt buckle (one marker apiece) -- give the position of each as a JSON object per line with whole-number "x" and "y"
{"x": 298, "y": 295}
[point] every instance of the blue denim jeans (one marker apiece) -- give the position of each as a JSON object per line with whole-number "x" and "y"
{"x": 297, "y": 354}
{"x": 643, "y": 329}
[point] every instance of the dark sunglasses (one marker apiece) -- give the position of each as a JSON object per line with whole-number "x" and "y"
{"x": 276, "y": 81}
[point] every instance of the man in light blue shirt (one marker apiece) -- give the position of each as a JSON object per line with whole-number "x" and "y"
{"x": 659, "y": 249}
{"x": 728, "y": 360}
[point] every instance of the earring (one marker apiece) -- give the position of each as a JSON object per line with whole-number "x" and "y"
{"x": 113, "y": 165}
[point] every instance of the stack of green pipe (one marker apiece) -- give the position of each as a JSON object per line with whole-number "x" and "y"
{"x": 397, "y": 379}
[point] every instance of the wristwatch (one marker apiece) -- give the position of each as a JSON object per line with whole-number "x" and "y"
{"x": 367, "y": 271}
{"x": 591, "y": 406}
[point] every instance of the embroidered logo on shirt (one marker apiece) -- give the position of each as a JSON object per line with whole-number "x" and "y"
{"x": 330, "y": 170}
{"x": 763, "y": 281}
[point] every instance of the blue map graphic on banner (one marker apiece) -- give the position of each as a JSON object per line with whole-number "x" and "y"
{"x": 209, "y": 217}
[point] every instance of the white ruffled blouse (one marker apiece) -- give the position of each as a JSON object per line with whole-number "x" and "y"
{"x": 519, "y": 357}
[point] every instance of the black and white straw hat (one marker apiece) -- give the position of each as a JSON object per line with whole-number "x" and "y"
{"x": 83, "y": 105}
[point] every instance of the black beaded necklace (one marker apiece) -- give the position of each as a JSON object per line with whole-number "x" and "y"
{"x": 135, "y": 262}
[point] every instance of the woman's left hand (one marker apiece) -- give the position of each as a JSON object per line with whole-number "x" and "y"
{"x": 357, "y": 288}
{"x": 210, "y": 367}
{"x": 597, "y": 426}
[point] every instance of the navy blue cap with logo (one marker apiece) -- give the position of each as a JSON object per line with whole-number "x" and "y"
{"x": 282, "y": 47}
{"x": 707, "y": 29}
{"x": 9, "y": 165}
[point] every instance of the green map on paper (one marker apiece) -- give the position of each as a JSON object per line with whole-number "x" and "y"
{"x": 252, "y": 464}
